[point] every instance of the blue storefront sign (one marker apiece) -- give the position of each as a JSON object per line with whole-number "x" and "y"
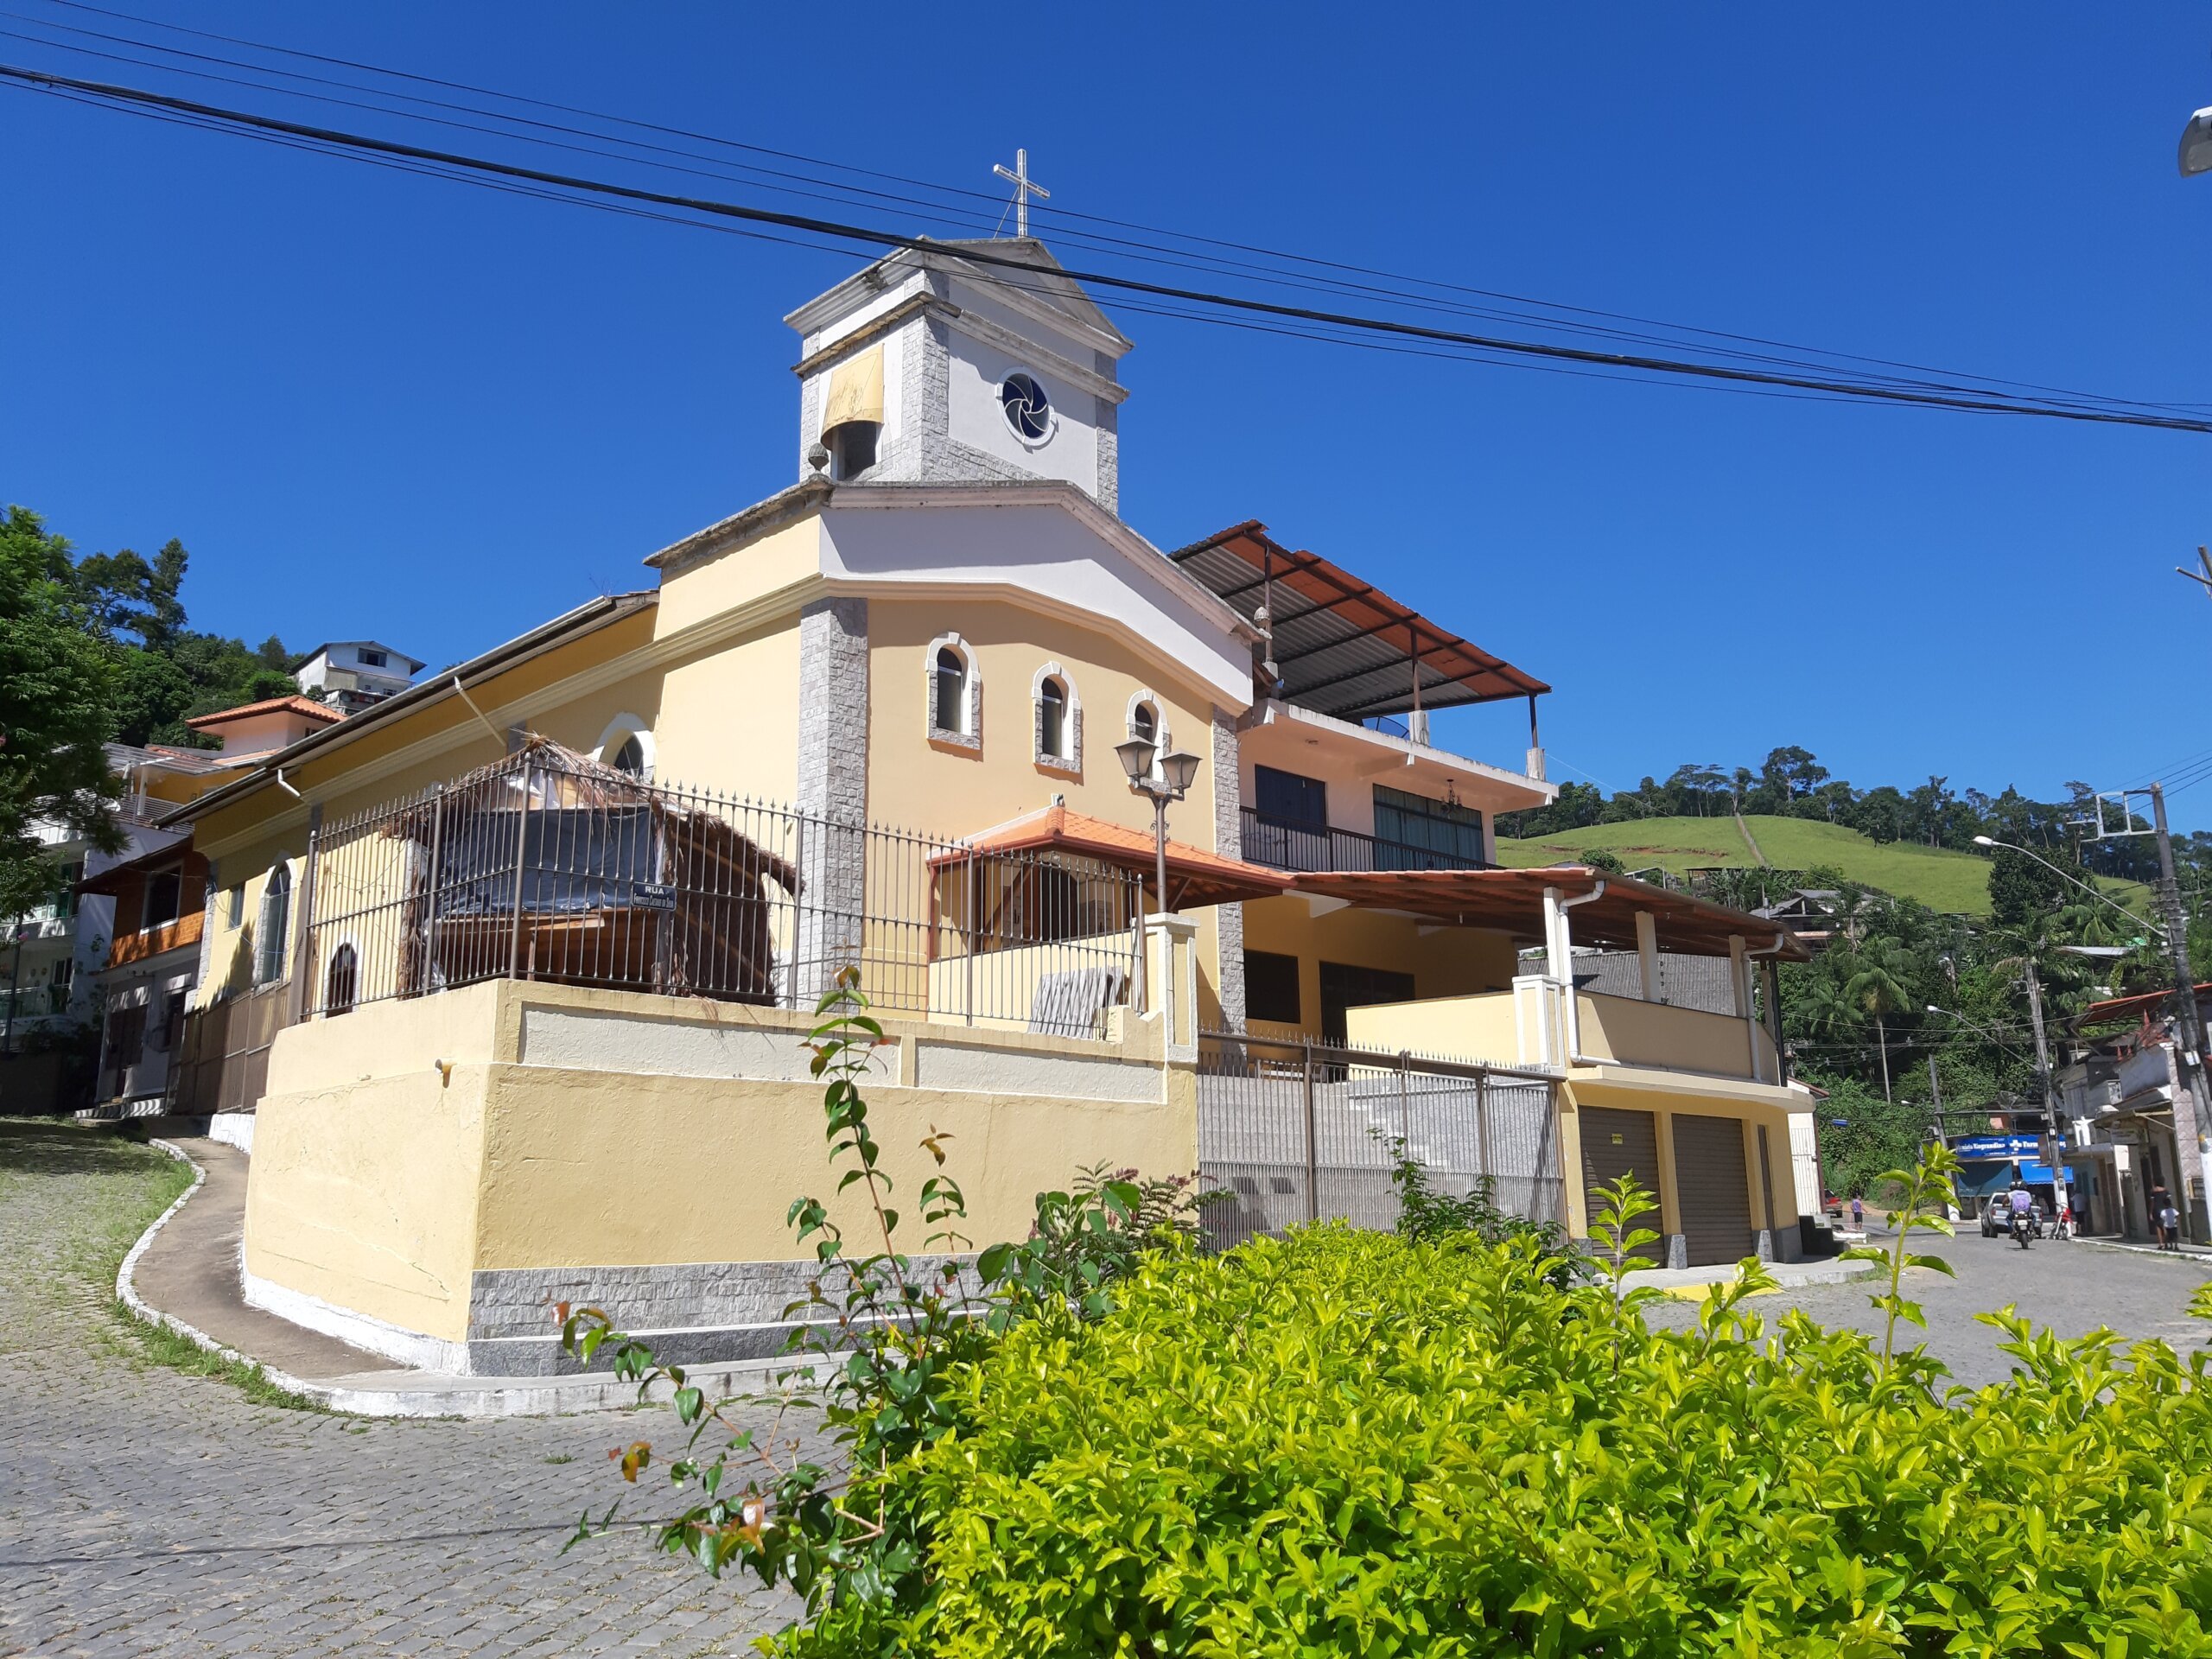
{"x": 1976, "y": 1148}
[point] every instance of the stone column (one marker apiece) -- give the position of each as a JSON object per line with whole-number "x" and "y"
{"x": 1229, "y": 841}
{"x": 833, "y": 721}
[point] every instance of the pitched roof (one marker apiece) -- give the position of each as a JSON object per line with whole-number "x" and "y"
{"x": 294, "y": 705}
{"x": 1194, "y": 875}
{"x": 1512, "y": 901}
{"x": 585, "y": 618}
{"x": 1342, "y": 646}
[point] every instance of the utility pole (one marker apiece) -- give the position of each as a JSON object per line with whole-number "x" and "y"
{"x": 2193, "y": 1111}
{"x": 2053, "y": 1129}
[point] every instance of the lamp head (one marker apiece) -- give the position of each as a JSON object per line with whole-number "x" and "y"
{"x": 1986, "y": 841}
{"x": 1179, "y": 769}
{"x": 1136, "y": 757}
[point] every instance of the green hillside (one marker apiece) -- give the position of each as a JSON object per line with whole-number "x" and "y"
{"x": 1957, "y": 883}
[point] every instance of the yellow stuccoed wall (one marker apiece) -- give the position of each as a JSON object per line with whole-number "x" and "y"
{"x": 380, "y": 1186}
{"x": 947, "y": 791}
{"x": 1443, "y": 962}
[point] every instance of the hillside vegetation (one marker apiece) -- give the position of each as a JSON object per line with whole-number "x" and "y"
{"x": 1954, "y": 883}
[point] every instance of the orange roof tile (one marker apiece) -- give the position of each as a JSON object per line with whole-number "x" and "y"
{"x": 296, "y": 705}
{"x": 1194, "y": 875}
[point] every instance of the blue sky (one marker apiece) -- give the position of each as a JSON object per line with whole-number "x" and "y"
{"x": 374, "y": 405}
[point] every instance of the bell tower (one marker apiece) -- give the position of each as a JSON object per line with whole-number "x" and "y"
{"x": 962, "y": 362}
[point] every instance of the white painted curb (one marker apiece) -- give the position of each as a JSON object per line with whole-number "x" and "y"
{"x": 126, "y": 1288}
{"x": 439, "y": 1397}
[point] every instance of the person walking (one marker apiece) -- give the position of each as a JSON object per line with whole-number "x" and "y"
{"x": 2169, "y": 1222}
{"x": 1858, "y": 1214}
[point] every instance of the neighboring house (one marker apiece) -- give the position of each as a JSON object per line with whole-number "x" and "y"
{"x": 255, "y": 729}
{"x": 146, "y": 979}
{"x": 350, "y": 675}
{"x": 2123, "y": 1093}
{"x": 553, "y": 925}
{"x": 51, "y": 960}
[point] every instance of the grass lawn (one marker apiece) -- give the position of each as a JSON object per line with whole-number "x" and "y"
{"x": 1956, "y": 883}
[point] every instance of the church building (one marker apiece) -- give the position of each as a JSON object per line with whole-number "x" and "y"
{"x": 549, "y": 926}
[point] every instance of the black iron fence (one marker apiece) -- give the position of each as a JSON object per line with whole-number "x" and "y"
{"x": 579, "y": 874}
{"x": 1295, "y": 844}
{"x": 1299, "y": 1131}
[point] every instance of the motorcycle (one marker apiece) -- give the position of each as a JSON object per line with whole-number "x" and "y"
{"x": 2025, "y": 1226}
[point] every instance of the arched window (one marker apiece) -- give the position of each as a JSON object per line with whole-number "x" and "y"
{"x": 948, "y": 701}
{"x": 1052, "y": 719}
{"x": 341, "y": 983}
{"x": 274, "y": 930}
{"x": 1144, "y": 722}
{"x": 626, "y": 744}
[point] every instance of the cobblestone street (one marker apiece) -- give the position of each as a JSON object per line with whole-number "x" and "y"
{"x": 144, "y": 1511}
{"x": 2072, "y": 1286}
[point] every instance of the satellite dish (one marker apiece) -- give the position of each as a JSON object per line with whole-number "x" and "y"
{"x": 2196, "y": 144}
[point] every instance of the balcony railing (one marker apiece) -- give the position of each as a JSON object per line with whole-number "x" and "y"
{"x": 1292, "y": 844}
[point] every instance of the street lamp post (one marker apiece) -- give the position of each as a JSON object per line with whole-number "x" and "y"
{"x": 1177, "y": 771}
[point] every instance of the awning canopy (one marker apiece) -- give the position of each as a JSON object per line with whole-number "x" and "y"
{"x": 1194, "y": 875}
{"x": 2132, "y": 1008}
{"x": 1344, "y": 646}
{"x": 1512, "y": 902}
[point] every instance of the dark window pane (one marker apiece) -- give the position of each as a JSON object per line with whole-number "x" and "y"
{"x": 1420, "y": 834}
{"x": 1144, "y": 723}
{"x": 1271, "y": 987}
{"x": 1290, "y": 798}
{"x": 952, "y": 680}
{"x": 1346, "y": 985}
{"x": 1052, "y": 719}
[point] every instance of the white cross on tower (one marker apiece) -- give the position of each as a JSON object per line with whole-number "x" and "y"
{"x": 1023, "y": 189}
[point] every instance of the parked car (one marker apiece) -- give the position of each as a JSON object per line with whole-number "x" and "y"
{"x": 1997, "y": 1215}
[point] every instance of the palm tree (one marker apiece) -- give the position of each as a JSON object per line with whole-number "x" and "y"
{"x": 1876, "y": 987}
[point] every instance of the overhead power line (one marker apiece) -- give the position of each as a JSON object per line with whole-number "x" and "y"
{"x": 1391, "y": 287}
{"x": 337, "y": 140}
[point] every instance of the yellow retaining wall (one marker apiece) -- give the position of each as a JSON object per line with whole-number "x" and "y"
{"x": 380, "y": 1185}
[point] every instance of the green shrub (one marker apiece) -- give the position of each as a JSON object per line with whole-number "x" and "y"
{"x": 1433, "y": 1217}
{"x": 1352, "y": 1443}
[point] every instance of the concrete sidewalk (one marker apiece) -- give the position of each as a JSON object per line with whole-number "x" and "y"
{"x": 184, "y": 1273}
{"x": 1694, "y": 1284}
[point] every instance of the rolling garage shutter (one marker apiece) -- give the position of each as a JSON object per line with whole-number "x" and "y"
{"x": 1716, "y": 1198}
{"x": 1616, "y": 1143}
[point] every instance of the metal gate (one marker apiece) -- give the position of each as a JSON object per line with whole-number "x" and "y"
{"x": 1616, "y": 1143}
{"x": 1299, "y": 1131}
{"x": 1715, "y": 1193}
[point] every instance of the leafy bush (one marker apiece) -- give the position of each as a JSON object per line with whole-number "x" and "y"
{"x": 1433, "y": 1217}
{"x": 889, "y": 1332}
{"x": 1353, "y": 1443}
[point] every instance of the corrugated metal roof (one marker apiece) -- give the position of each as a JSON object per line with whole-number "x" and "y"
{"x": 1342, "y": 646}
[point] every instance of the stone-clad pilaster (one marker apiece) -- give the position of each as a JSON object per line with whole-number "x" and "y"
{"x": 1228, "y": 841}
{"x": 832, "y": 792}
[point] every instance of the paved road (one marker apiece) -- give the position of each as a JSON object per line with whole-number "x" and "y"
{"x": 2072, "y": 1287}
{"x": 143, "y": 1511}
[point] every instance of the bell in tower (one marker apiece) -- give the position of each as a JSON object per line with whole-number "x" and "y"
{"x": 962, "y": 362}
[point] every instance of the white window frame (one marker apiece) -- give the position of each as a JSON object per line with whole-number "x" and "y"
{"x": 621, "y": 730}
{"x": 261, "y": 952}
{"x": 1162, "y": 739}
{"x": 1069, "y": 763}
{"x": 972, "y": 678}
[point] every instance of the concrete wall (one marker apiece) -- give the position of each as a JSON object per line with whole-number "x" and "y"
{"x": 611, "y": 1144}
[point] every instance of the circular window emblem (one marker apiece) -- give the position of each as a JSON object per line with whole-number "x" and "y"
{"x": 1028, "y": 411}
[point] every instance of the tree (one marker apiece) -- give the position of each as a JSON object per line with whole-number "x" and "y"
{"x": 1879, "y": 972}
{"x": 168, "y": 673}
{"x": 57, "y": 707}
